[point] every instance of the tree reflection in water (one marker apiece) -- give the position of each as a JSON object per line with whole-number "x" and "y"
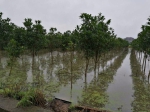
{"x": 95, "y": 94}
{"x": 141, "y": 87}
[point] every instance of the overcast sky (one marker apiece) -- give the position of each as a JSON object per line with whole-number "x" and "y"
{"x": 127, "y": 15}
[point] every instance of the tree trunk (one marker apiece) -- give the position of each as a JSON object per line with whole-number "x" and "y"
{"x": 12, "y": 61}
{"x": 86, "y": 68}
{"x": 32, "y": 63}
{"x": 148, "y": 76}
{"x": 139, "y": 57}
{"x": 98, "y": 64}
{"x": 33, "y": 52}
{"x": 95, "y": 61}
{"x": 52, "y": 57}
{"x": 71, "y": 68}
{"x": 144, "y": 65}
{"x": 63, "y": 56}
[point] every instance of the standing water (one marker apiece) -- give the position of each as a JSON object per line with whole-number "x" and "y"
{"x": 120, "y": 91}
{"x": 113, "y": 85}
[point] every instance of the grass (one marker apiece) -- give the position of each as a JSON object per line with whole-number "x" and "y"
{"x": 26, "y": 98}
{"x": 32, "y": 97}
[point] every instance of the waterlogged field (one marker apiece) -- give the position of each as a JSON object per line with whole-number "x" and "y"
{"x": 117, "y": 84}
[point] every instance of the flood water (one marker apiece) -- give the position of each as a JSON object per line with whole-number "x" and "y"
{"x": 116, "y": 84}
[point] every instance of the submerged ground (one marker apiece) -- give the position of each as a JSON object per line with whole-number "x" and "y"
{"x": 117, "y": 84}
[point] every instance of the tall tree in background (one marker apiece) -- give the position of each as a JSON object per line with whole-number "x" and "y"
{"x": 6, "y": 31}
{"x": 35, "y": 36}
{"x": 51, "y": 37}
{"x": 93, "y": 36}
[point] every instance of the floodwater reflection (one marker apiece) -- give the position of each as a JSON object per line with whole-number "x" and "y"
{"x": 141, "y": 88}
{"x": 112, "y": 85}
{"x": 120, "y": 90}
{"x": 96, "y": 95}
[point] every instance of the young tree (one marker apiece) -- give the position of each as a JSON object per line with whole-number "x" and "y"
{"x": 6, "y": 31}
{"x": 51, "y": 37}
{"x": 93, "y": 36}
{"x": 141, "y": 44}
{"x": 66, "y": 38}
{"x": 14, "y": 50}
{"x": 35, "y": 36}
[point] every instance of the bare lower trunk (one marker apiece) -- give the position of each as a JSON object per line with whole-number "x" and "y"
{"x": 95, "y": 65}
{"x": 63, "y": 56}
{"x": 0, "y": 52}
{"x": 98, "y": 65}
{"x": 0, "y": 56}
{"x": 71, "y": 67}
{"x": 95, "y": 81}
{"x": 32, "y": 63}
{"x": 86, "y": 68}
{"x": 96, "y": 60}
{"x": 10, "y": 70}
{"x": 52, "y": 57}
{"x": 140, "y": 57}
{"x": 148, "y": 76}
{"x": 11, "y": 66}
{"x": 144, "y": 65}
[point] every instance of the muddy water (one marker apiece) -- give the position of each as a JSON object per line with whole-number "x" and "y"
{"x": 112, "y": 85}
{"x": 120, "y": 91}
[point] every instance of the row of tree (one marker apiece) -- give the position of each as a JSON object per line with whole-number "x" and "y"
{"x": 142, "y": 44}
{"x": 93, "y": 37}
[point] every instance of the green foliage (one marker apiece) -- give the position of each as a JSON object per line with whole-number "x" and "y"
{"x": 66, "y": 38}
{"x": 32, "y": 97}
{"x": 14, "y": 49}
{"x": 93, "y": 37}
{"x": 95, "y": 99}
{"x": 1, "y": 91}
{"x": 27, "y": 98}
{"x": 12, "y": 90}
{"x": 35, "y": 36}
{"x": 71, "y": 107}
{"x": 24, "y": 102}
{"x": 143, "y": 40}
{"x": 6, "y": 31}
{"x": 96, "y": 37}
{"x": 121, "y": 43}
{"x": 53, "y": 39}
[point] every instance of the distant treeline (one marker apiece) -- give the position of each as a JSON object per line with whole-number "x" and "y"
{"x": 93, "y": 37}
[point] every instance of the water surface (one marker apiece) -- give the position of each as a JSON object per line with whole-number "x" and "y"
{"x": 112, "y": 85}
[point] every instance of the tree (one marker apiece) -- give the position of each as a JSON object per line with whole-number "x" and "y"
{"x": 6, "y": 31}
{"x": 14, "y": 50}
{"x": 65, "y": 40}
{"x": 94, "y": 36}
{"x": 51, "y": 37}
{"x": 35, "y": 36}
{"x": 141, "y": 44}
